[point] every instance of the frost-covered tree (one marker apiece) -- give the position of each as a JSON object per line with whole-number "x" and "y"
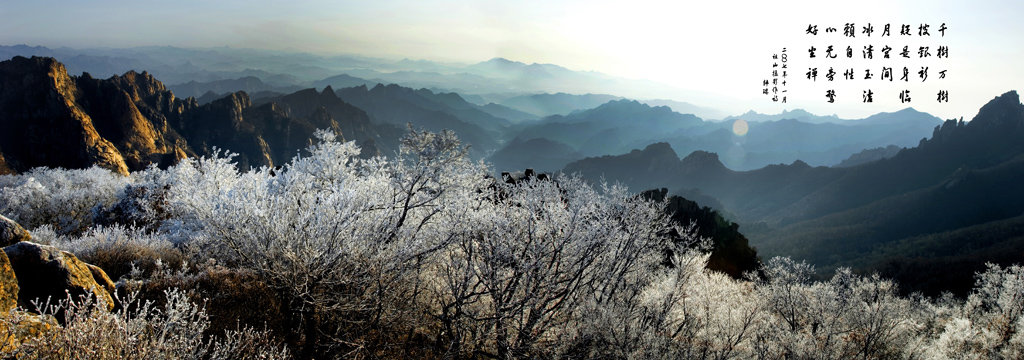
{"x": 522, "y": 265}
{"x": 61, "y": 198}
{"x": 990, "y": 324}
{"x": 341, "y": 238}
{"x": 138, "y": 330}
{"x": 423, "y": 255}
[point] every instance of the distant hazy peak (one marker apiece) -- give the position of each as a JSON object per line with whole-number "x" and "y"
{"x": 501, "y": 60}
{"x": 660, "y": 149}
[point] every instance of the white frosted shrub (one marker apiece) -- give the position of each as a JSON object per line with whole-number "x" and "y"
{"x": 421, "y": 255}
{"x": 63, "y": 199}
{"x": 139, "y": 331}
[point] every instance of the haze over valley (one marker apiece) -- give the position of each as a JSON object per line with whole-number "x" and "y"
{"x": 532, "y": 180}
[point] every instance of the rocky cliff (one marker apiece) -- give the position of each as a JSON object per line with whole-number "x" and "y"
{"x": 129, "y": 122}
{"x": 44, "y": 123}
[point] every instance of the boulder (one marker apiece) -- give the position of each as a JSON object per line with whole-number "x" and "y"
{"x": 102, "y": 279}
{"x": 8, "y": 285}
{"x": 47, "y": 272}
{"x": 11, "y": 233}
{"x": 20, "y": 327}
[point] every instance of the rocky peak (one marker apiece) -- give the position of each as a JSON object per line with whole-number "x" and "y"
{"x": 39, "y": 107}
{"x": 379, "y": 88}
{"x": 701, "y": 157}
{"x": 36, "y": 69}
{"x": 1004, "y": 112}
{"x": 704, "y": 164}
{"x": 142, "y": 85}
{"x": 131, "y": 121}
{"x": 947, "y": 129}
{"x": 661, "y": 149}
{"x": 329, "y": 93}
{"x": 322, "y": 119}
{"x": 232, "y": 105}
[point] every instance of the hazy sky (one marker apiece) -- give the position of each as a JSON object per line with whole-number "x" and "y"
{"x": 718, "y": 46}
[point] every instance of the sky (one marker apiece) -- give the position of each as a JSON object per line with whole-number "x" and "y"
{"x": 721, "y": 47}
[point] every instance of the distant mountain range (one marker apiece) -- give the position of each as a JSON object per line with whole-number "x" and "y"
{"x": 797, "y": 114}
{"x": 221, "y": 88}
{"x": 582, "y": 125}
{"x": 495, "y": 79}
{"x": 619, "y": 126}
{"x": 128, "y": 122}
{"x": 398, "y": 105}
{"x": 901, "y": 192}
{"x": 591, "y": 127}
{"x": 556, "y": 104}
{"x": 876, "y": 215}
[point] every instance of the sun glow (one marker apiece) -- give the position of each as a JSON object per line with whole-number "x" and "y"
{"x": 740, "y": 127}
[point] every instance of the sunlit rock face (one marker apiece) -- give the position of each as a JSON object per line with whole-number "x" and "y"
{"x": 45, "y": 272}
{"x": 43, "y": 123}
{"x": 130, "y": 122}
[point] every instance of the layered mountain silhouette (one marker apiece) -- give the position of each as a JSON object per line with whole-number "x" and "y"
{"x": 687, "y": 108}
{"x": 619, "y": 126}
{"x": 248, "y": 84}
{"x": 556, "y": 104}
{"x": 214, "y": 73}
{"x": 496, "y": 79}
{"x": 964, "y": 179}
{"x": 869, "y": 155}
{"x": 132, "y": 121}
{"x": 397, "y": 105}
{"x": 610, "y": 128}
{"x": 343, "y": 81}
{"x": 903, "y": 193}
{"x": 787, "y": 140}
{"x": 540, "y": 154}
{"x": 796, "y": 114}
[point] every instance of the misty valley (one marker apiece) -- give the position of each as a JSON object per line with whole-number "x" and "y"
{"x": 236, "y": 203}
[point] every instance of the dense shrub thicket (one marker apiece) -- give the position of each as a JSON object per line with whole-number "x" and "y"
{"x": 423, "y": 256}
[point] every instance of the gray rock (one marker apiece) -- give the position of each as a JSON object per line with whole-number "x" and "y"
{"x": 12, "y": 233}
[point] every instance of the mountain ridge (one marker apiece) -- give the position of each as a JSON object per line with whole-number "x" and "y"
{"x": 131, "y": 121}
{"x": 960, "y": 177}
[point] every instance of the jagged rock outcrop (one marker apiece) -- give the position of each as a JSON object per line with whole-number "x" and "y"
{"x": 39, "y": 104}
{"x": 869, "y": 155}
{"x": 129, "y": 122}
{"x": 638, "y": 169}
{"x": 47, "y": 272}
{"x": 1003, "y": 113}
{"x": 131, "y": 111}
{"x": 325, "y": 110}
{"x": 222, "y": 124}
{"x": 397, "y": 106}
{"x": 11, "y": 232}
